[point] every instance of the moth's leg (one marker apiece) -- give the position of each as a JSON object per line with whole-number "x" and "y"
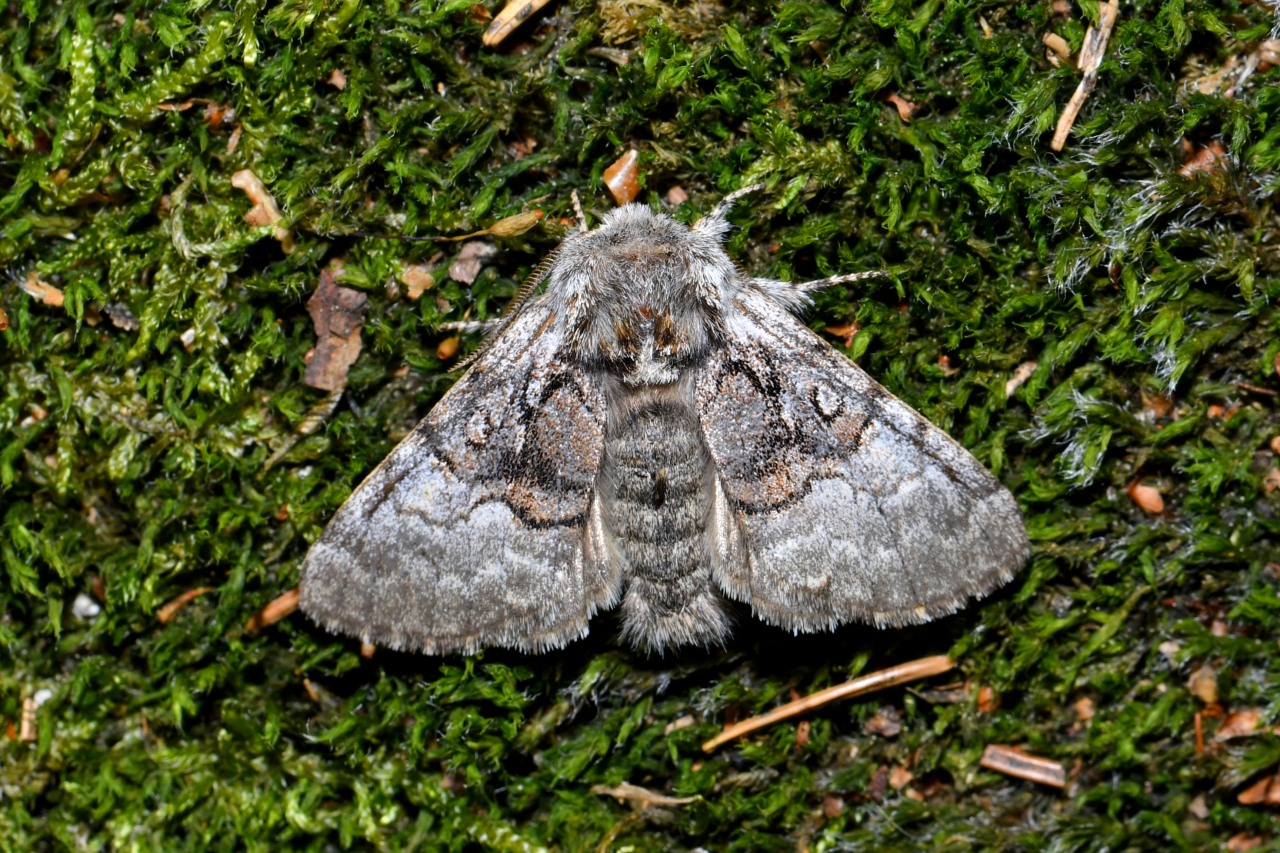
{"x": 469, "y": 326}
{"x": 577, "y": 208}
{"x": 819, "y": 284}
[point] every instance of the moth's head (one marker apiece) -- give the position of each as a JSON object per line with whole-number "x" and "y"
{"x": 643, "y": 294}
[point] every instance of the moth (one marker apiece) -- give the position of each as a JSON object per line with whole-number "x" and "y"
{"x": 657, "y": 429}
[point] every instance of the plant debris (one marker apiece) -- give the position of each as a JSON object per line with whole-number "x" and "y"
{"x": 891, "y": 677}
{"x": 338, "y": 316}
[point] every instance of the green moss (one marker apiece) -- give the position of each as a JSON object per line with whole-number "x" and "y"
{"x": 132, "y": 459}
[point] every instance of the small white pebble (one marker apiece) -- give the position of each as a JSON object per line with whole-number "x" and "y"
{"x": 85, "y": 607}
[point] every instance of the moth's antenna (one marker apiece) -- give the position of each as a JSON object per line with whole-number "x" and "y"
{"x": 513, "y": 309}
{"x": 577, "y": 208}
{"x": 714, "y": 222}
{"x": 819, "y": 284}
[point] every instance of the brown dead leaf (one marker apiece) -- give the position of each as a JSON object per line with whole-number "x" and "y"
{"x": 1241, "y": 722}
{"x": 1156, "y": 406}
{"x": 42, "y": 291}
{"x": 1211, "y": 157}
{"x": 417, "y": 280}
{"x": 1265, "y": 791}
{"x": 1203, "y": 684}
{"x": 278, "y": 609}
{"x": 832, "y": 806}
{"x": 676, "y": 196}
{"x": 900, "y": 777}
{"x": 471, "y": 260}
{"x": 623, "y": 177}
{"x": 4, "y": 319}
{"x": 886, "y": 722}
{"x": 338, "y": 315}
{"x": 1242, "y": 842}
{"x": 988, "y": 700}
{"x": 1271, "y": 481}
{"x": 1085, "y": 709}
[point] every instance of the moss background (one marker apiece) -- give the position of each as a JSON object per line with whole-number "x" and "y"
{"x": 132, "y": 460}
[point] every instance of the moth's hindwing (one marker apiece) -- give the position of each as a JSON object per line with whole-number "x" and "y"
{"x": 482, "y": 527}
{"x": 843, "y": 502}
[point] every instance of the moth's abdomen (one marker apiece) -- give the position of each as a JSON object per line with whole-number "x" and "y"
{"x": 657, "y": 484}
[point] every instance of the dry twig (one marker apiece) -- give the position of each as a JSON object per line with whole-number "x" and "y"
{"x": 1012, "y": 761}
{"x": 1095, "y": 45}
{"x": 891, "y": 677}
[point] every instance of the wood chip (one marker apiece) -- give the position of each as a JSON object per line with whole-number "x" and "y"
{"x": 448, "y": 348}
{"x": 900, "y": 777}
{"x": 1148, "y": 498}
{"x": 1023, "y": 372}
{"x": 42, "y": 291}
{"x": 338, "y": 316}
{"x": 623, "y": 177}
{"x": 845, "y": 331}
{"x": 177, "y": 604}
{"x": 1091, "y": 53}
{"x": 27, "y": 725}
{"x": 1012, "y": 761}
{"x": 643, "y": 797}
{"x": 265, "y": 211}
{"x": 1057, "y": 45}
{"x": 681, "y": 723}
{"x": 278, "y": 609}
{"x": 905, "y": 108}
{"x": 885, "y": 678}
{"x": 417, "y": 279}
{"x": 512, "y": 15}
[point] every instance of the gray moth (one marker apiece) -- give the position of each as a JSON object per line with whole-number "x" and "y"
{"x": 657, "y": 429}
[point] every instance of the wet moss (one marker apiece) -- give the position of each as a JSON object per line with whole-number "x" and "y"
{"x": 1139, "y": 273}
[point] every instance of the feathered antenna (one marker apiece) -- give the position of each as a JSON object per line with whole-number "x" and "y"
{"x": 714, "y": 222}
